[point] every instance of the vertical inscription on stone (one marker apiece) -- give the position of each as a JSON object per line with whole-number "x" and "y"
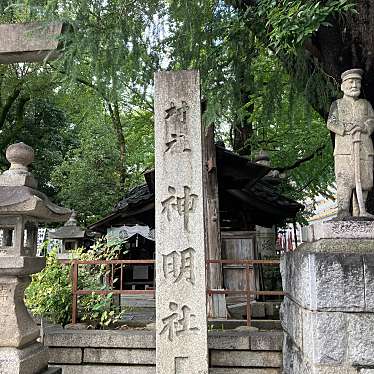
{"x": 181, "y": 326}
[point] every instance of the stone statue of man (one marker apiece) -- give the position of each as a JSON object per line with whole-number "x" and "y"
{"x": 352, "y": 121}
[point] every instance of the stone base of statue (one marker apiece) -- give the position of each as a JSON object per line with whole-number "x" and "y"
{"x": 328, "y": 313}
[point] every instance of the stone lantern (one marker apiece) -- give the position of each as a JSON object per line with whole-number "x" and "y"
{"x": 22, "y": 206}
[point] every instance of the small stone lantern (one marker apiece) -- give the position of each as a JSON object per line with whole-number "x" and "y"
{"x": 22, "y": 206}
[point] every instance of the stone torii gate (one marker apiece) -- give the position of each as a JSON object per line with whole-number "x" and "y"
{"x": 21, "y": 207}
{"x": 30, "y": 42}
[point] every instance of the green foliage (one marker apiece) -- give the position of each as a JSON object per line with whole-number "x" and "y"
{"x": 248, "y": 86}
{"x": 50, "y": 293}
{"x": 90, "y": 112}
{"x": 290, "y": 22}
{"x": 87, "y": 179}
{"x": 290, "y": 131}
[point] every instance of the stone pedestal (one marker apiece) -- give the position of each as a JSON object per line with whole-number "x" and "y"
{"x": 21, "y": 207}
{"x": 328, "y": 313}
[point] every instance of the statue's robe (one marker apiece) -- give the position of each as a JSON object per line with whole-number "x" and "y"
{"x": 344, "y": 114}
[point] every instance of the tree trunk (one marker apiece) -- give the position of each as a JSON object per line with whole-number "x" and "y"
{"x": 117, "y": 125}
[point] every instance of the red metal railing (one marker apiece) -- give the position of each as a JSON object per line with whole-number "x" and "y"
{"x": 248, "y": 292}
{"x": 118, "y": 265}
{"x": 114, "y": 265}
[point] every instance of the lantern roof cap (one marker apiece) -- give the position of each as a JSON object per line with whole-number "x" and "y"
{"x": 18, "y": 189}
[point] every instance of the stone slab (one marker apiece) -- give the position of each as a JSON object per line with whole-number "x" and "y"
{"x": 341, "y": 230}
{"x": 326, "y": 281}
{"x": 72, "y": 369}
{"x": 330, "y": 338}
{"x": 119, "y": 356}
{"x": 21, "y": 265}
{"x": 65, "y": 355}
{"x": 51, "y": 370}
{"x": 100, "y": 338}
{"x": 57, "y": 337}
{"x": 181, "y": 313}
{"x": 28, "y": 42}
{"x": 339, "y": 246}
{"x": 296, "y": 363}
{"x": 107, "y": 369}
{"x": 30, "y": 360}
{"x": 267, "y": 341}
{"x": 361, "y": 339}
{"x": 245, "y": 359}
{"x": 244, "y": 371}
{"x": 229, "y": 340}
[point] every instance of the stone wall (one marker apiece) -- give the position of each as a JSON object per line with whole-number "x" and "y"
{"x": 133, "y": 351}
{"x": 328, "y": 315}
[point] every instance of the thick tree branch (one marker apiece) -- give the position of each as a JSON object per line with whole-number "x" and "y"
{"x": 20, "y": 112}
{"x": 300, "y": 161}
{"x": 8, "y": 104}
{"x": 117, "y": 125}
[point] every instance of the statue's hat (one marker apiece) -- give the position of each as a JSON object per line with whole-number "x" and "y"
{"x": 352, "y": 73}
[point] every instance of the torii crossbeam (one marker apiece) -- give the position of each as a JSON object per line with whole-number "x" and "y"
{"x": 30, "y": 42}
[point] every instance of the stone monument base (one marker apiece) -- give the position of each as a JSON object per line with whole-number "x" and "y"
{"x": 328, "y": 313}
{"x": 32, "y": 359}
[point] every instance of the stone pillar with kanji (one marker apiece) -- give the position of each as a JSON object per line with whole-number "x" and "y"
{"x": 181, "y": 312}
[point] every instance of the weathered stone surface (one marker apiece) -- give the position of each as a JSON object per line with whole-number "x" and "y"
{"x": 296, "y": 363}
{"x": 366, "y": 371}
{"x": 292, "y": 323}
{"x": 295, "y": 271}
{"x": 331, "y": 340}
{"x": 90, "y": 369}
{"x": 244, "y": 371}
{"x": 246, "y": 359}
{"x": 361, "y": 339}
{"x": 228, "y": 340}
{"x": 324, "y": 337}
{"x": 119, "y": 356}
{"x": 100, "y": 338}
{"x": 28, "y": 42}
{"x": 339, "y": 246}
{"x": 267, "y": 341}
{"x": 339, "y": 282}
{"x": 320, "y": 281}
{"x": 21, "y": 266}
{"x": 369, "y": 282}
{"x": 110, "y": 369}
{"x": 342, "y": 230}
{"x": 181, "y": 316}
{"x": 17, "y": 327}
{"x": 29, "y": 360}
{"x": 65, "y": 355}
{"x": 52, "y": 370}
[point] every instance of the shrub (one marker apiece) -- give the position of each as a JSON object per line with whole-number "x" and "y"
{"x": 50, "y": 293}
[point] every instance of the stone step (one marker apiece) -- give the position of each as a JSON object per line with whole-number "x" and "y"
{"x": 92, "y": 369}
{"x": 245, "y": 359}
{"x": 129, "y": 339}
